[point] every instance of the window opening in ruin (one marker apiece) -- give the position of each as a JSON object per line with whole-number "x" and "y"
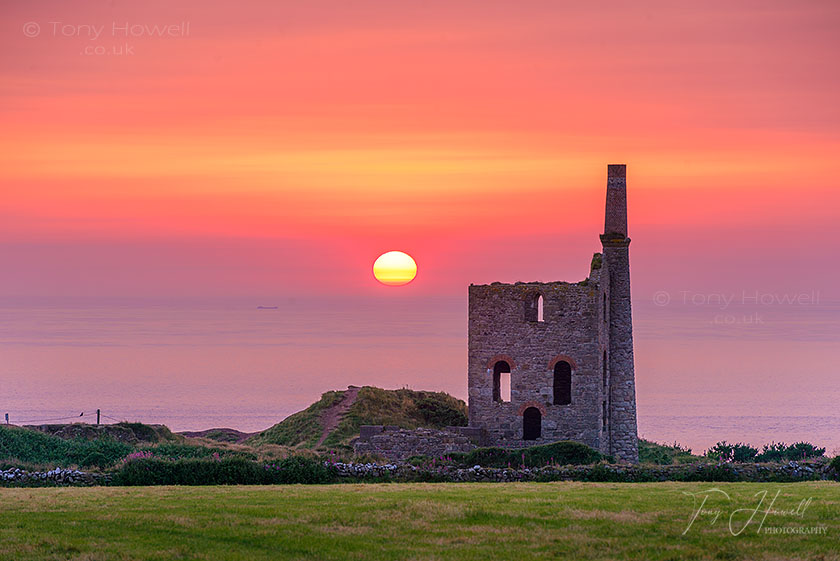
{"x": 501, "y": 381}
{"x": 531, "y": 424}
{"x": 534, "y": 305}
{"x": 562, "y": 383}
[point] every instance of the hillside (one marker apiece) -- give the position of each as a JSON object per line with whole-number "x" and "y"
{"x": 334, "y": 420}
{"x": 219, "y": 435}
{"x": 131, "y": 433}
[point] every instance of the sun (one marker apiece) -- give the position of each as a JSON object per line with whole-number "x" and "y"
{"x": 394, "y": 268}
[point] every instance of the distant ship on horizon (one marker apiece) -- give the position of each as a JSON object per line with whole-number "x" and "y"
{"x": 268, "y": 307}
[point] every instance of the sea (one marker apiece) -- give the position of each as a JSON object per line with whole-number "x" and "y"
{"x": 246, "y": 364}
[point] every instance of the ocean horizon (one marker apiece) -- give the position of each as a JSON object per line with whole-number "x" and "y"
{"x": 226, "y": 363}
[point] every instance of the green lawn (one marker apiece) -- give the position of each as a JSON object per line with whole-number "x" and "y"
{"x": 418, "y": 521}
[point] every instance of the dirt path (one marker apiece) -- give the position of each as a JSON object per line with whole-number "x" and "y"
{"x": 333, "y": 414}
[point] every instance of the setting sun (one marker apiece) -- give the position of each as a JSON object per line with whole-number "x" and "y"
{"x": 394, "y": 268}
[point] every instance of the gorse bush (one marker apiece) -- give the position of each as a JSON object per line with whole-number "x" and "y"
{"x": 722, "y": 451}
{"x": 773, "y": 452}
{"x": 32, "y": 447}
{"x": 781, "y": 452}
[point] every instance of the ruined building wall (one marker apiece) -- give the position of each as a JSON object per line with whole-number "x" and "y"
{"x": 573, "y": 330}
{"x": 586, "y": 324}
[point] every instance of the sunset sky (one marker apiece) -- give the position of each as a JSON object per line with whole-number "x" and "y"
{"x": 267, "y": 150}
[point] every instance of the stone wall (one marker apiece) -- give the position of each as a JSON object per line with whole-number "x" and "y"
{"x": 812, "y": 470}
{"x": 57, "y": 476}
{"x": 396, "y": 444}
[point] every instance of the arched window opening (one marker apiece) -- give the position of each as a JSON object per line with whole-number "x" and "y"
{"x": 501, "y": 381}
{"x": 604, "y": 369}
{"x": 531, "y": 424}
{"x": 534, "y": 306}
{"x": 562, "y": 383}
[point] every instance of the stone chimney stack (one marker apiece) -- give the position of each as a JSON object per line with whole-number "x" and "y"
{"x": 615, "y": 221}
{"x": 624, "y": 442}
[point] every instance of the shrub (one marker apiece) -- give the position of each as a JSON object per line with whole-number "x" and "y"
{"x": 297, "y": 469}
{"x": 224, "y": 471}
{"x": 708, "y": 473}
{"x": 418, "y": 461}
{"x": 835, "y": 465}
{"x": 561, "y": 453}
{"x": 661, "y": 454}
{"x": 192, "y": 471}
{"x": 600, "y": 472}
{"x": 773, "y": 452}
{"x": 803, "y": 450}
{"x": 184, "y": 451}
{"x": 732, "y": 452}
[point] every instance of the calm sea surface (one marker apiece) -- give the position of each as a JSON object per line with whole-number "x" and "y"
{"x": 229, "y": 364}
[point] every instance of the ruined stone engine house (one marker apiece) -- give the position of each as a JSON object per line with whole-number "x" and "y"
{"x": 554, "y": 361}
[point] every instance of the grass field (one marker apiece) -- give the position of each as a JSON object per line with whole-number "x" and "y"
{"x": 421, "y": 521}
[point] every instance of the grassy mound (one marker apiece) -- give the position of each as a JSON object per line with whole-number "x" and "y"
{"x": 219, "y": 435}
{"x": 131, "y": 433}
{"x": 373, "y": 406}
{"x": 303, "y": 429}
{"x": 20, "y": 447}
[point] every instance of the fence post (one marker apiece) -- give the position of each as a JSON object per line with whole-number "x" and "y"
{"x": 97, "y": 416}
